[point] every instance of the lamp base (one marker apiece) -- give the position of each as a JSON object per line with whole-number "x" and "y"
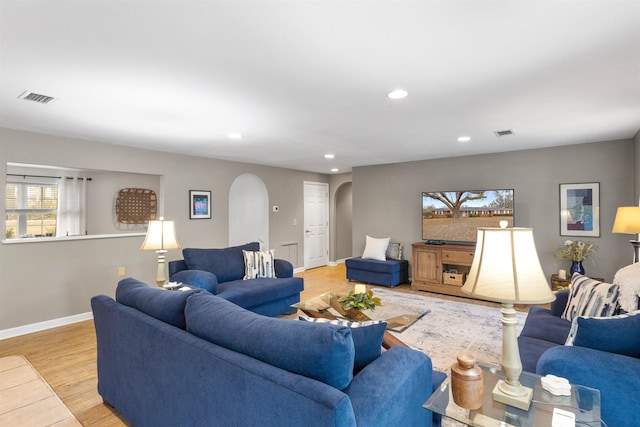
{"x": 519, "y": 397}
{"x": 636, "y": 250}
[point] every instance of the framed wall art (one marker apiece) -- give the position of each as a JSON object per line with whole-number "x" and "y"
{"x": 199, "y": 204}
{"x": 580, "y": 209}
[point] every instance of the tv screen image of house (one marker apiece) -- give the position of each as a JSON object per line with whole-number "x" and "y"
{"x": 454, "y": 216}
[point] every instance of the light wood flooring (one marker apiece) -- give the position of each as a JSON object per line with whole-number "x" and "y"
{"x": 66, "y": 356}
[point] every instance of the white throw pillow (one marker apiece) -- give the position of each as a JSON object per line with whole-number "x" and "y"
{"x": 376, "y": 248}
{"x": 628, "y": 278}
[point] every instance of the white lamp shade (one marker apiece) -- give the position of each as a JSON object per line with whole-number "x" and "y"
{"x": 161, "y": 235}
{"x": 506, "y": 268}
{"x": 627, "y": 220}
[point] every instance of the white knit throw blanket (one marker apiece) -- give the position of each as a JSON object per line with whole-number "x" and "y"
{"x": 628, "y": 278}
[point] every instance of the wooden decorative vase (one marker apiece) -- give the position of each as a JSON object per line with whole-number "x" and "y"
{"x": 466, "y": 382}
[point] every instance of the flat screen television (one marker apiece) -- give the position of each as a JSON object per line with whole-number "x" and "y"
{"x": 454, "y": 216}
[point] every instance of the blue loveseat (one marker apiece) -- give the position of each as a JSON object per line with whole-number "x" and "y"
{"x": 221, "y": 272}
{"x": 171, "y": 358}
{"x": 617, "y": 376}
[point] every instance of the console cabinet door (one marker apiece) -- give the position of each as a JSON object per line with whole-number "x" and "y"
{"x": 428, "y": 265}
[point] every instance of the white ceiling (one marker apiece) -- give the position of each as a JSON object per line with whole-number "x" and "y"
{"x": 300, "y": 79}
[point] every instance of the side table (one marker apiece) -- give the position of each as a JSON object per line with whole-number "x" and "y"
{"x": 557, "y": 282}
{"x": 584, "y": 402}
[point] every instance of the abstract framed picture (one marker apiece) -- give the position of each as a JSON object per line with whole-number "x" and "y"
{"x": 580, "y": 209}
{"x": 199, "y": 204}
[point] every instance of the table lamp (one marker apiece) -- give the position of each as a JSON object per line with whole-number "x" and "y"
{"x": 628, "y": 222}
{"x": 506, "y": 269}
{"x": 161, "y": 236}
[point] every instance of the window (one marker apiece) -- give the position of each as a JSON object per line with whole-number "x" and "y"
{"x": 31, "y": 209}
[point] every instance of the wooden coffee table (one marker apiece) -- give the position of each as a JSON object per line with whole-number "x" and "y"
{"x": 327, "y": 306}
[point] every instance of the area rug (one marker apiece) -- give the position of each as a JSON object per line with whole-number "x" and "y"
{"x": 450, "y": 328}
{"x": 27, "y": 400}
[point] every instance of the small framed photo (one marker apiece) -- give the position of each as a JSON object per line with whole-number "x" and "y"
{"x": 199, "y": 204}
{"x": 580, "y": 209}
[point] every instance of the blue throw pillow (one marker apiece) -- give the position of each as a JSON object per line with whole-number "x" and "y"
{"x": 324, "y": 354}
{"x": 367, "y": 338}
{"x": 167, "y": 306}
{"x": 227, "y": 263}
{"x": 618, "y": 334}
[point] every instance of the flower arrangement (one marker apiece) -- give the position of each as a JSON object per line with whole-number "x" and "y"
{"x": 576, "y": 250}
{"x": 360, "y": 301}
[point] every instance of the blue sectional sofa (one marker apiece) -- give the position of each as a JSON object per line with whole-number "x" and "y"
{"x": 221, "y": 272}
{"x": 617, "y": 376}
{"x": 171, "y": 358}
{"x": 389, "y": 272}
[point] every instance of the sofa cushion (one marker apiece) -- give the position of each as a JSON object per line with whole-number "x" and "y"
{"x": 252, "y": 293}
{"x": 531, "y": 349}
{"x": 618, "y": 334}
{"x": 543, "y": 325}
{"x": 167, "y": 306}
{"x": 227, "y": 263}
{"x": 324, "y": 354}
{"x": 367, "y": 338}
{"x": 590, "y": 297}
{"x": 258, "y": 264}
{"x": 375, "y": 248}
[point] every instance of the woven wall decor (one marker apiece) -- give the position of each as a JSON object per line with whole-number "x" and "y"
{"x": 136, "y": 205}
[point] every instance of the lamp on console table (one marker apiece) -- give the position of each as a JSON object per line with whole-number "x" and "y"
{"x": 506, "y": 269}
{"x": 628, "y": 222}
{"x": 161, "y": 236}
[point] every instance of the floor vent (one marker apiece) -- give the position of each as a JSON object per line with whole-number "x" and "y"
{"x": 37, "y": 97}
{"x": 500, "y": 133}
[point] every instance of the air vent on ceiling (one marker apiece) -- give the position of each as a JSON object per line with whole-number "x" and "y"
{"x": 37, "y": 97}
{"x": 500, "y": 133}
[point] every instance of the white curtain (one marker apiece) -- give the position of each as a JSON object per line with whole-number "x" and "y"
{"x": 72, "y": 207}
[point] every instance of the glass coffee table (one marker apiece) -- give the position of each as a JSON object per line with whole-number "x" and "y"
{"x": 398, "y": 317}
{"x": 584, "y": 402}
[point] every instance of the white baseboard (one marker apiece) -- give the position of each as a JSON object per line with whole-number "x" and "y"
{"x": 337, "y": 262}
{"x": 299, "y": 269}
{"x": 41, "y": 326}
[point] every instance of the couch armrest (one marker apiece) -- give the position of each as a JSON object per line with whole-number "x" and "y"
{"x": 283, "y": 268}
{"x": 197, "y": 279}
{"x": 392, "y": 389}
{"x": 616, "y": 376}
{"x": 558, "y": 306}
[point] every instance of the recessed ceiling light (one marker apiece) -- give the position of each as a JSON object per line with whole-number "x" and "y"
{"x": 335, "y": 170}
{"x": 329, "y": 156}
{"x": 234, "y": 135}
{"x": 398, "y": 94}
{"x": 464, "y": 139}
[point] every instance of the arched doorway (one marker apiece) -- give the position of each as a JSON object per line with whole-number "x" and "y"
{"x": 344, "y": 214}
{"x": 248, "y": 211}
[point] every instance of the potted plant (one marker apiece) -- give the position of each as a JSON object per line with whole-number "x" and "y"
{"x": 360, "y": 301}
{"x": 576, "y": 251}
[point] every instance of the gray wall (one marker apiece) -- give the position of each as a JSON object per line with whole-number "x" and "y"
{"x": 387, "y": 202}
{"x": 50, "y": 280}
{"x": 636, "y": 172}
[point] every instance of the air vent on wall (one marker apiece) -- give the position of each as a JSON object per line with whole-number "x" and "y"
{"x": 500, "y": 133}
{"x": 37, "y": 97}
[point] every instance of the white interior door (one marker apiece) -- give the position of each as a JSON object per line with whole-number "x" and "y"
{"x": 316, "y": 224}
